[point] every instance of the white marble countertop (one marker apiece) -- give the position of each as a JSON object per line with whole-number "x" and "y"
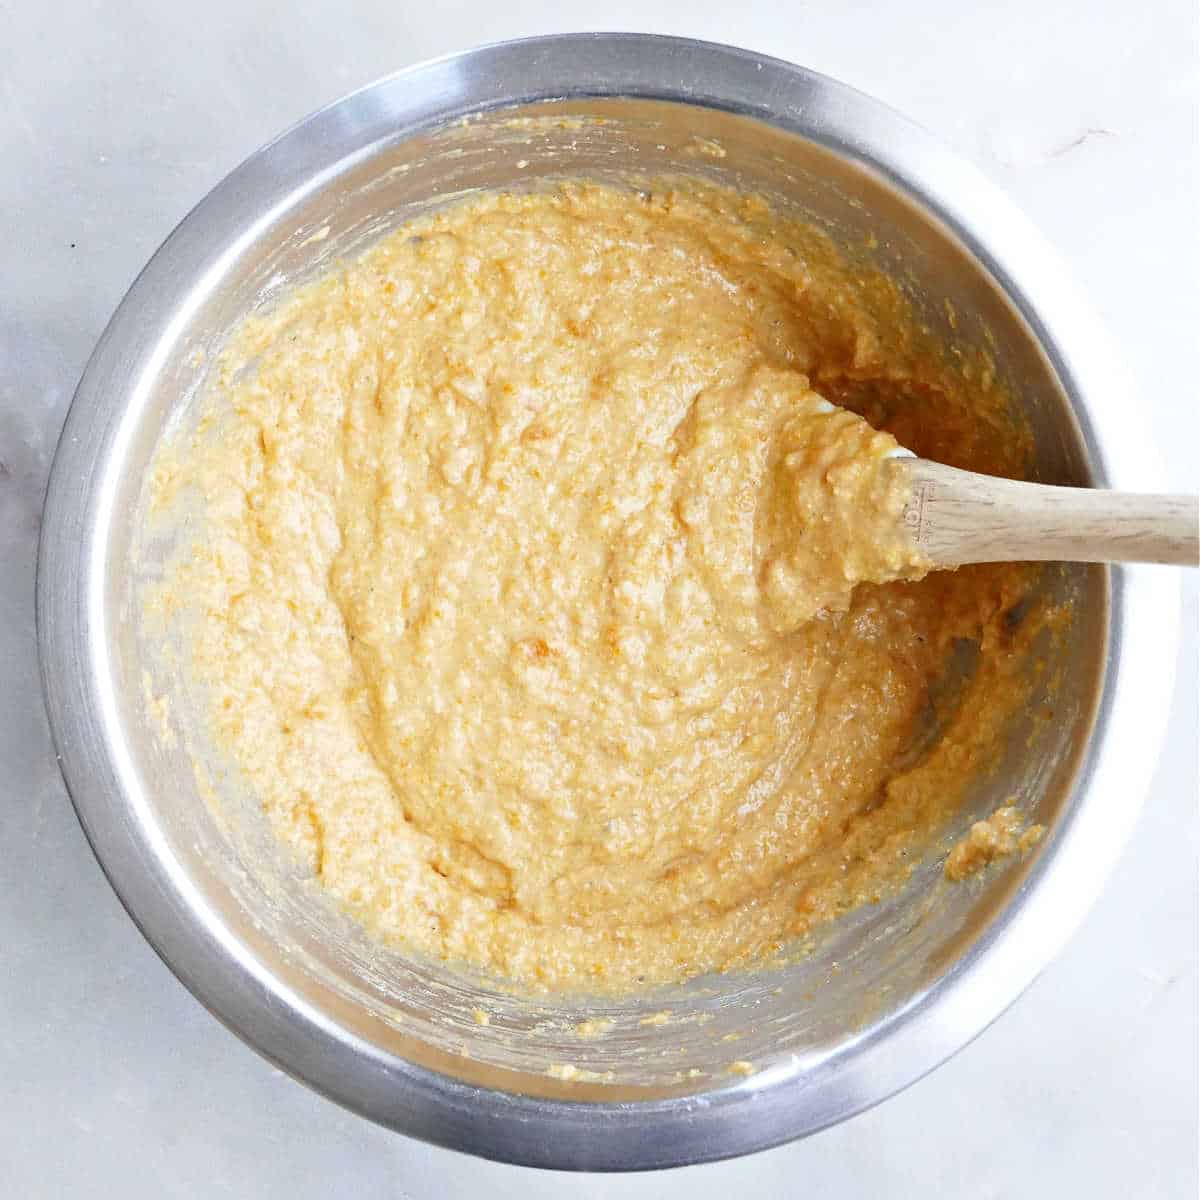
{"x": 114, "y": 119}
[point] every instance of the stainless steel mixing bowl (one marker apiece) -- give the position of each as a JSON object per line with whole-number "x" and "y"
{"x": 889, "y": 992}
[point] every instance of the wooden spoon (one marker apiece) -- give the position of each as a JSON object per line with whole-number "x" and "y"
{"x": 955, "y": 517}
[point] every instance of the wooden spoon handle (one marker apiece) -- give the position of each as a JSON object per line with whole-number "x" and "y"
{"x": 957, "y": 517}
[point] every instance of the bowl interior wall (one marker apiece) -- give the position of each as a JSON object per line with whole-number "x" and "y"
{"x": 865, "y": 968}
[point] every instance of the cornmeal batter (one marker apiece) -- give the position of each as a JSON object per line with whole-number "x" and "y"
{"x": 1003, "y": 833}
{"x": 524, "y": 597}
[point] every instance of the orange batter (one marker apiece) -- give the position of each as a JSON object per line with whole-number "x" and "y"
{"x": 525, "y": 598}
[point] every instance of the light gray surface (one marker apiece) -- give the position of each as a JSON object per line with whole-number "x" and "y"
{"x": 112, "y": 122}
{"x": 303, "y": 985}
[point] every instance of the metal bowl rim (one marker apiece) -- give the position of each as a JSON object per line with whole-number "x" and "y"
{"x": 763, "y": 1110}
